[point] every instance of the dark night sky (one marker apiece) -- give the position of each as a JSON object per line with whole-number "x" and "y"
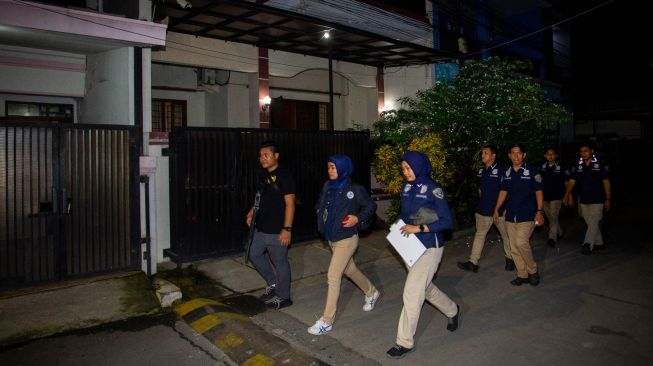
{"x": 611, "y": 52}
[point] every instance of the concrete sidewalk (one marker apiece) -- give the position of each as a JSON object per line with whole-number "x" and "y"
{"x": 593, "y": 309}
{"x": 37, "y": 313}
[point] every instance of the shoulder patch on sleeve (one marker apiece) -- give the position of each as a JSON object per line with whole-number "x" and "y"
{"x": 538, "y": 178}
{"x": 439, "y": 193}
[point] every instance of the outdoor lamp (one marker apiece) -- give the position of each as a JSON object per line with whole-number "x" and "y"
{"x": 266, "y": 103}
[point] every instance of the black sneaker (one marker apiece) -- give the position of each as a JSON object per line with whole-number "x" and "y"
{"x": 269, "y": 293}
{"x": 519, "y": 281}
{"x": 551, "y": 243}
{"x": 278, "y": 303}
{"x": 453, "y": 321}
{"x": 510, "y": 265}
{"x": 398, "y": 351}
{"x": 468, "y": 266}
{"x": 586, "y": 249}
{"x": 534, "y": 279}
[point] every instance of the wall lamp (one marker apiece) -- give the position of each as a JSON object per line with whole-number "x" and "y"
{"x": 265, "y": 105}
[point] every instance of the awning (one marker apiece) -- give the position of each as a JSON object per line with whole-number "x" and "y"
{"x": 267, "y": 27}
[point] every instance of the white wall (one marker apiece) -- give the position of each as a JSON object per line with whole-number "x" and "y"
{"x": 290, "y": 64}
{"x": 405, "y": 82}
{"x": 109, "y": 97}
{"x": 183, "y": 49}
{"x": 194, "y": 104}
{"x": 239, "y": 107}
{"x": 41, "y": 72}
{"x": 352, "y": 103}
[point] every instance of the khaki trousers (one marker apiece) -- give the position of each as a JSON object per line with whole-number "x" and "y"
{"x": 342, "y": 262}
{"x": 592, "y": 214}
{"x": 520, "y": 234}
{"x": 552, "y": 211}
{"x": 418, "y": 287}
{"x": 483, "y": 225}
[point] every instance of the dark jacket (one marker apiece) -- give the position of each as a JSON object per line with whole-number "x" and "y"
{"x": 351, "y": 199}
{"x": 429, "y": 195}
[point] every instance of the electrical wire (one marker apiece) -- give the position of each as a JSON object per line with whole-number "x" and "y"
{"x": 540, "y": 30}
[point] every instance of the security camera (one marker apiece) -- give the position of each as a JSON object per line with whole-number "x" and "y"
{"x": 184, "y": 4}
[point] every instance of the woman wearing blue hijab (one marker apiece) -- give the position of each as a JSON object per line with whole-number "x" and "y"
{"x": 422, "y": 192}
{"x": 343, "y": 208}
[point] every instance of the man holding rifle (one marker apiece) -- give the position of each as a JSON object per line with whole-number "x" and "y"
{"x": 273, "y": 227}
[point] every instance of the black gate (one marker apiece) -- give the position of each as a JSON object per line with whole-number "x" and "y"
{"x": 213, "y": 175}
{"x": 69, "y": 204}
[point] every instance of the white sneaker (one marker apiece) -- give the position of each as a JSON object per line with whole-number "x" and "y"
{"x": 370, "y": 302}
{"x": 320, "y": 327}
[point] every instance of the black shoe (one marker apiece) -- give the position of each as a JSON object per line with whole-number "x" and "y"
{"x": 398, "y": 351}
{"x": 453, "y": 321}
{"x": 278, "y": 303}
{"x": 586, "y": 249}
{"x": 534, "y": 279}
{"x": 551, "y": 243}
{"x": 598, "y": 247}
{"x": 510, "y": 265}
{"x": 468, "y": 266}
{"x": 519, "y": 281}
{"x": 269, "y": 293}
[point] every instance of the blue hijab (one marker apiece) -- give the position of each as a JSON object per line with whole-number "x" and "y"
{"x": 344, "y": 167}
{"x": 421, "y": 166}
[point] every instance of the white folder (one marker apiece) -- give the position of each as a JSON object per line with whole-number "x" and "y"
{"x": 409, "y": 247}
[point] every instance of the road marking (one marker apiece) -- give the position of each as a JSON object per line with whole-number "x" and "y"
{"x": 230, "y": 341}
{"x": 206, "y": 322}
{"x": 191, "y": 305}
{"x": 259, "y": 360}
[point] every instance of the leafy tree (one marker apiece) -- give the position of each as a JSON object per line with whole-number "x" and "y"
{"x": 487, "y": 103}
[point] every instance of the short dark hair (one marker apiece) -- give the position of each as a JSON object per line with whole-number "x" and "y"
{"x": 521, "y": 147}
{"x": 551, "y": 148}
{"x": 493, "y": 149}
{"x": 586, "y": 144}
{"x": 271, "y": 145}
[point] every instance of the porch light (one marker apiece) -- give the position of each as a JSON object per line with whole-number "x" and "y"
{"x": 386, "y": 108}
{"x": 266, "y": 103}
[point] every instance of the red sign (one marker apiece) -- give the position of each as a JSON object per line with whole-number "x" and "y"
{"x": 158, "y": 138}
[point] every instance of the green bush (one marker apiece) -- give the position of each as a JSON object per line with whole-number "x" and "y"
{"x": 487, "y": 103}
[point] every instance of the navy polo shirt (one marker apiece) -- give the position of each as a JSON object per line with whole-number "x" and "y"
{"x": 554, "y": 178}
{"x": 521, "y": 185}
{"x": 429, "y": 195}
{"x": 589, "y": 180}
{"x": 489, "y": 182}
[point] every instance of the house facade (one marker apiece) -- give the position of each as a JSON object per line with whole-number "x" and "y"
{"x": 151, "y": 66}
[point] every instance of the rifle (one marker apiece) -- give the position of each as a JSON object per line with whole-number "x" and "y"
{"x": 252, "y": 224}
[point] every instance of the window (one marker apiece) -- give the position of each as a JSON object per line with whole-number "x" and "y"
{"x": 167, "y": 114}
{"x": 34, "y": 111}
{"x": 324, "y": 117}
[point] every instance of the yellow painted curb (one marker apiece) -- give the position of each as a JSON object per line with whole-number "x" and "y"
{"x": 230, "y": 341}
{"x": 259, "y": 360}
{"x": 206, "y": 322}
{"x": 209, "y": 321}
{"x": 188, "y": 306}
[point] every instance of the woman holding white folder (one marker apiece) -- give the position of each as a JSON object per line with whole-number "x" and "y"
{"x": 422, "y": 192}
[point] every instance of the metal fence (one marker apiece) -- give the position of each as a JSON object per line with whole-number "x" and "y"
{"x": 68, "y": 201}
{"x": 214, "y": 172}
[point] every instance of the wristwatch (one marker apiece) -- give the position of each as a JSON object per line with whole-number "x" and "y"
{"x": 421, "y": 228}
{"x": 288, "y": 228}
